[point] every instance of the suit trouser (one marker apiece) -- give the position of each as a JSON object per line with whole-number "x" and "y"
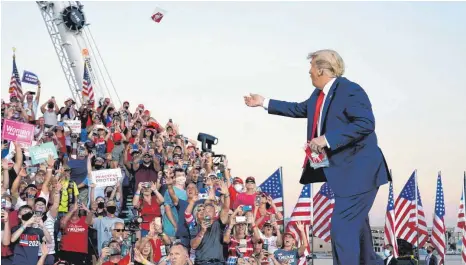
{"x": 350, "y": 230}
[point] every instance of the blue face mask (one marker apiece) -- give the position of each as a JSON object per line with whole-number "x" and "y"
{"x": 386, "y": 253}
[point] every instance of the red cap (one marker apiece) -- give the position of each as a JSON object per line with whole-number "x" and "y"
{"x": 117, "y": 137}
{"x": 141, "y": 106}
{"x": 147, "y": 112}
{"x": 125, "y": 102}
{"x": 238, "y": 180}
{"x": 250, "y": 179}
{"x": 291, "y": 234}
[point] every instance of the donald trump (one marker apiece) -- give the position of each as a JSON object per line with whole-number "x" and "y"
{"x": 341, "y": 149}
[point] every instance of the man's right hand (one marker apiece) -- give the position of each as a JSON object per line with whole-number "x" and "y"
{"x": 254, "y": 100}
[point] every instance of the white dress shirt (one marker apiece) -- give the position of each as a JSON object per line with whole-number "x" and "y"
{"x": 326, "y": 89}
{"x": 389, "y": 259}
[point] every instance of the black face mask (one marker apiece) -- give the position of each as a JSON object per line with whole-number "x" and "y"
{"x": 111, "y": 209}
{"x": 109, "y": 193}
{"x": 126, "y": 107}
{"x": 101, "y": 205}
{"x": 267, "y": 206}
{"x": 98, "y": 167}
{"x": 27, "y": 216}
{"x": 429, "y": 251}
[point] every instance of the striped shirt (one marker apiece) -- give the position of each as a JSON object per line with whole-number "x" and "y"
{"x": 49, "y": 225}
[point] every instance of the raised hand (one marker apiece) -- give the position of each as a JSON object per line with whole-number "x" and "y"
{"x": 254, "y": 100}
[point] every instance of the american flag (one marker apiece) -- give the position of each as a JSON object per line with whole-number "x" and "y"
{"x": 323, "y": 202}
{"x": 461, "y": 226}
{"x": 405, "y": 209}
{"x": 438, "y": 229}
{"x": 15, "y": 82}
{"x": 390, "y": 222}
{"x": 88, "y": 92}
{"x": 273, "y": 186}
{"x": 301, "y": 213}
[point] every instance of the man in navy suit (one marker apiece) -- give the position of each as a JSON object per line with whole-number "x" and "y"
{"x": 340, "y": 126}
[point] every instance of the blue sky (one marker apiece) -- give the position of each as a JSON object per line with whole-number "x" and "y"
{"x": 197, "y": 64}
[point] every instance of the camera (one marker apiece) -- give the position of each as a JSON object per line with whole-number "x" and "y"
{"x": 207, "y": 220}
{"x": 146, "y": 185}
{"x": 134, "y": 224}
{"x": 207, "y": 141}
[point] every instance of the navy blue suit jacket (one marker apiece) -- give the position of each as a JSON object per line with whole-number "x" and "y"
{"x": 357, "y": 164}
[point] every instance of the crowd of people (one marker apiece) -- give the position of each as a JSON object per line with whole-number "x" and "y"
{"x": 175, "y": 204}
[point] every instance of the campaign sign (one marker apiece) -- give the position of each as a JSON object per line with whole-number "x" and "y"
{"x": 18, "y": 131}
{"x": 75, "y": 125}
{"x": 107, "y": 177}
{"x": 40, "y": 153}
{"x": 30, "y": 77}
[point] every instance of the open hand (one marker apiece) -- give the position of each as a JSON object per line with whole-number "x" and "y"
{"x": 254, "y": 100}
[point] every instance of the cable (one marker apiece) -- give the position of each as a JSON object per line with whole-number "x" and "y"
{"x": 105, "y": 67}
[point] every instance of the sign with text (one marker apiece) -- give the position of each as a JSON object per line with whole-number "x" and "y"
{"x": 107, "y": 177}
{"x": 40, "y": 153}
{"x": 18, "y": 131}
{"x": 75, "y": 125}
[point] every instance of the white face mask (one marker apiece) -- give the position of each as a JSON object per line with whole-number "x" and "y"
{"x": 7, "y": 204}
{"x": 386, "y": 253}
{"x": 238, "y": 187}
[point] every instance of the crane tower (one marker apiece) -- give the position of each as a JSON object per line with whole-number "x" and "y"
{"x": 74, "y": 44}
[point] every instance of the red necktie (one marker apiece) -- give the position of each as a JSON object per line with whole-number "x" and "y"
{"x": 319, "y": 102}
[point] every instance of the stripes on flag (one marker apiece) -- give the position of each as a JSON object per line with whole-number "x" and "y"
{"x": 324, "y": 202}
{"x": 390, "y": 222}
{"x": 405, "y": 213}
{"x": 88, "y": 91}
{"x": 438, "y": 229}
{"x": 273, "y": 186}
{"x": 301, "y": 213}
{"x": 461, "y": 226}
{"x": 15, "y": 81}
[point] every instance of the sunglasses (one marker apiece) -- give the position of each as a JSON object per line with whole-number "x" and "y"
{"x": 251, "y": 182}
{"x": 119, "y": 230}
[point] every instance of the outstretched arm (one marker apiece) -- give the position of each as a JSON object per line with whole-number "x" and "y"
{"x": 287, "y": 109}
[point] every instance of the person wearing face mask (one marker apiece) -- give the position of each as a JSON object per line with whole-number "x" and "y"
{"x": 248, "y": 197}
{"x": 235, "y": 189}
{"x": 431, "y": 259}
{"x": 75, "y": 229}
{"x": 48, "y": 217}
{"x": 104, "y": 225}
{"x": 170, "y": 217}
{"x": 388, "y": 253}
{"x": 147, "y": 200}
{"x": 27, "y": 237}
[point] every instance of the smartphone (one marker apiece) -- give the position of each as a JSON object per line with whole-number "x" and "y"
{"x": 240, "y": 219}
{"x": 3, "y": 203}
{"x": 158, "y": 221}
{"x": 247, "y": 208}
{"x": 38, "y": 213}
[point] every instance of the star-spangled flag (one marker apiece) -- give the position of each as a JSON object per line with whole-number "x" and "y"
{"x": 406, "y": 216}
{"x": 15, "y": 81}
{"x": 301, "y": 213}
{"x": 461, "y": 225}
{"x": 323, "y": 202}
{"x": 88, "y": 91}
{"x": 273, "y": 186}
{"x": 158, "y": 14}
{"x": 390, "y": 222}
{"x": 438, "y": 229}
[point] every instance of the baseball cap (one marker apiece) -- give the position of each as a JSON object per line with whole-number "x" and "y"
{"x": 40, "y": 199}
{"x": 117, "y": 137}
{"x": 290, "y": 234}
{"x": 238, "y": 180}
{"x": 141, "y": 106}
{"x": 250, "y": 179}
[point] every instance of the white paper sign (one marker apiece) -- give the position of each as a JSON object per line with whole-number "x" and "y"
{"x": 75, "y": 125}
{"x": 106, "y": 177}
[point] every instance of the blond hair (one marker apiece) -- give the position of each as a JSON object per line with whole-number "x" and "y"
{"x": 329, "y": 61}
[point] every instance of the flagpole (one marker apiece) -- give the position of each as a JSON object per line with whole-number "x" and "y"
{"x": 445, "y": 232}
{"x": 417, "y": 222}
{"x": 283, "y": 197}
{"x": 311, "y": 227}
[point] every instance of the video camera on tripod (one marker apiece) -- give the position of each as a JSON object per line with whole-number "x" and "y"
{"x": 207, "y": 141}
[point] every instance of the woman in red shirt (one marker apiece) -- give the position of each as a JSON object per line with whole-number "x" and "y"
{"x": 266, "y": 210}
{"x": 148, "y": 204}
{"x": 158, "y": 240}
{"x": 74, "y": 248}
